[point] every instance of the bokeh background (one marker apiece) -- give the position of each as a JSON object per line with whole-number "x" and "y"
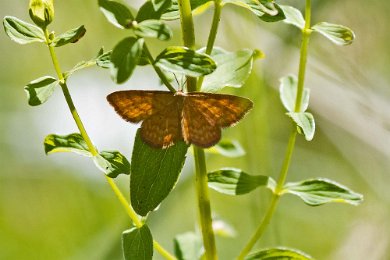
{"x": 60, "y": 207}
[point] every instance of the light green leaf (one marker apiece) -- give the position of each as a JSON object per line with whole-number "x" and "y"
{"x": 112, "y": 163}
{"x": 137, "y": 243}
{"x": 70, "y": 36}
{"x": 267, "y": 11}
{"x": 278, "y": 254}
{"x": 228, "y": 148}
{"x": 66, "y": 143}
{"x": 288, "y": 93}
{"x": 40, "y": 90}
{"x": 124, "y": 58}
{"x": 172, "y": 13}
{"x": 185, "y": 61}
{"x": 293, "y": 16}
{"x": 233, "y": 69}
{"x": 153, "y": 29}
{"x": 305, "y": 122}
{"x": 338, "y": 34}
{"x": 315, "y": 192}
{"x": 233, "y": 181}
{"x": 154, "y": 173}
{"x": 188, "y": 246}
{"x": 22, "y": 32}
{"x": 116, "y": 13}
{"x": 153, "y": 10}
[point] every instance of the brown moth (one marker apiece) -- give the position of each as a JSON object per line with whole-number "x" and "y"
{"x": 195, "y": 117}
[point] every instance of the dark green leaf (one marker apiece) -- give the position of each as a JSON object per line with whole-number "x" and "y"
{"x": 267, "y": 11}
{"x": 338, "y": 34}
{"x": 233, "y": 69}
{"x": 185, "y": 61}
{"x": 233, "y": 181}
{"x": 137, "y": 243}
{"x": 66, "y": 143}
{"x": 288, "y": 93}
{"x": 112, "y": 163}
{"x": 70, "y": 36}
{"x": 188, "y": 246}
{"x": 125, "y": 57}
{"x": 293, "y": 16}
{"x": 154, "y": 173}
{"x": 39, "y": 90}
{"x": 316, "y": 192}
{"x": 22, "y": 32}
{"x": 228, "y": 148}
{"x": 173, "y": 13}
{"x": 153, "y": 10}
{"x": 153, "y": 29}
{"x": 278, "y": 254}
{"x": 116, "y": 13}
{"x": 305, "y": 122}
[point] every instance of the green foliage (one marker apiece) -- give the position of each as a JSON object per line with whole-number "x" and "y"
{"x": 154, "y": 173}
{"x": 137, "y": 243}
{"x": 279, "y": 253}
{"x": 305, "y": 122}
{"x": 267, "y": 11}
{"x": 22, "y": 32}
{"x": 40, "y": 90}
{"x": 293, "y": 16}
{"x": 153, "y": 29}
{"x": 227, "y": 148}
{"x": 188, "y": 246}
{"x": 172, "y": 13}
{"x": 116, "y": 13}
{"x": 153, "y": 10}
{"x": 112, "y": 163}
{"x": 316, "y": 192}
{"x": 70, "y": 36}
{"x": 338, "y": 34}
{"x": 288, "y": 94}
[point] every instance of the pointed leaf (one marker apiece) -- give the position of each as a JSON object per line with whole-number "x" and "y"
{"x": 233, "y": 69}
{"x": 153, "y": 10}
{"x": 112, "y": 163}
{"x": 40, "y": 90}
{"x": 278, "y": 253}
{"x": 305, "y": 122}
{"x": 103, "y": 60}
{"x": 233, "y": 181}
{"x": 188, "y": 246}
{"x": 288, "y": 93}
{"x": 293, "y": 16}
{"x": 66, "y": 143}
{"x": 124, "y": 58}
{"x": 153, "y": 29}
{"x": 70, "y": 36}
{"x": 185, "y": 61}
{"x": 116, "y": 13}
{"x": 316, "y": 192}
{"x": 137, "y": 243}
{"x": 338, "y": 34}
{"x": 228, "y": 148}
{"x": 154, "y": 173}
{"x": 22, "y": 32}
{"x": 267, "y": 11}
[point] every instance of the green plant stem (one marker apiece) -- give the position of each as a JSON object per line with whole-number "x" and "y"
{"x": 291, "y": 142}
{"x": 129, "y": 210}
{"x": 204, "y": 207}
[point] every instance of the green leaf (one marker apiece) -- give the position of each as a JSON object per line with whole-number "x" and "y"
{"x": 288, "y": 93}
{"x": 70, "y": 36}
{"x": 185, "y": 61}
{"x": 22, "y": 32}
{"x": 233, "y": 69}
{"x": 103, "y": 59}
{"x": 137, "y": 243}
{"x": 315, "y": 192}
{"x": 116, "y": 13}
{"x": 172, "y": 13}
{"x": 305, "y": 122}
{"x": 66, "y": 143}
{"x": 153, "y": 10}
{"x": 228, "y": 148}
{"x": 154, "y": 173}
{"x": 153, "y": 29}
{"x": 40, "y": 90}
{"x": 124, "y": 58}
{"x": 233, "y": 181}
{"x": 268, "y": 11}
{"x": 112, "y": 163}
{"x": 188, "y": 246}
{"x": 338, "y": 34}
{"x": 293, "y": 16}
{"x": 278, "y": 253}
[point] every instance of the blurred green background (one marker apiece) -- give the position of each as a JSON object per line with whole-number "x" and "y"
{"x": 60, "y": 207}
